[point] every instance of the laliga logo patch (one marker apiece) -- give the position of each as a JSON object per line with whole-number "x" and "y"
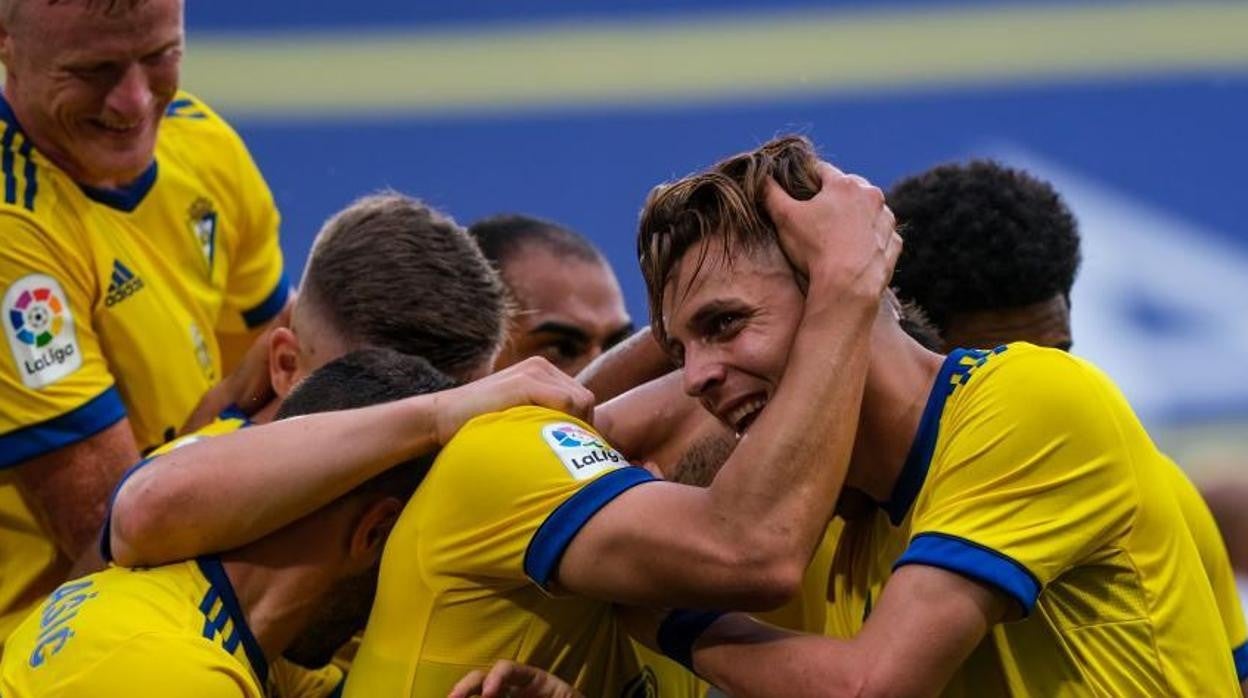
{"x": 40, "y": 330}
{"x": 582, "y": 452}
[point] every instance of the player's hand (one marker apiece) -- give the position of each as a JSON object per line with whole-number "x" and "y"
{"x": 508, "y": 679}
{"x": 844, "y": 236}
{"x": 533, "y": 381}
{"x": 248, "y": 386}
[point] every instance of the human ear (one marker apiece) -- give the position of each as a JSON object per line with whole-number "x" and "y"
{"x": 283, "y": 360}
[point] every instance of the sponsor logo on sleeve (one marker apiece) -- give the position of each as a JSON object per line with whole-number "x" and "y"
{"x": 581, "y": 451}
{"x": 40, "y": 330}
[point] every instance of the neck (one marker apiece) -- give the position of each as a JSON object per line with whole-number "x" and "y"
{"x": 277, "y": 596}
{"x": 899, "y": 379}
{"x": 265, "y": 414}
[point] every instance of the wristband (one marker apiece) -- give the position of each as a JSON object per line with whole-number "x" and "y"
{"x": 680, "y": 629}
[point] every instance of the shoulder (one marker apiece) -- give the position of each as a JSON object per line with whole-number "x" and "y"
{"x": 1025, "y": 381}
{"x": 532, "y": 432}
{"x": 192, "y": 128}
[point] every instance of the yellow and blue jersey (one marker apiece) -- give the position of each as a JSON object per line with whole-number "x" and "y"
{"x": 1030, "y": 473}
{"x": 466, "y": 574}
{"x": 175, "y": 630}
{"x": 1215, "y": 561}
{"x": 116, "y": 302}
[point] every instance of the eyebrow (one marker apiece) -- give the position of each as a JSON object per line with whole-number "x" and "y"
{"x": 705, "y": 313}
{"x": 620, "y": 334}
{"x": 560, "y": 328}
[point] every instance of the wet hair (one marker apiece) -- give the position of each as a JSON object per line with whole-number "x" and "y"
{"x": 981, "y": 236}
{"x": 500, "y": 237}
{"x": 724, "y": 203}
{"x": 363, "y": 378}
{"x": 390, "y": 271}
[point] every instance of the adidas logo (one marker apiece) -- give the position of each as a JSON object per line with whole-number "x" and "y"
{"x": 123, "y": 284}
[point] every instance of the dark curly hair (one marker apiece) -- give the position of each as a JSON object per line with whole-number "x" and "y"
{"x": 981, "y": 236}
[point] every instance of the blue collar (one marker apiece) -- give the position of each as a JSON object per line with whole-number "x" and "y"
{"x": 125, "y": 198}
{"x": 914, "y": 471}
{"x": 210, "y": 566}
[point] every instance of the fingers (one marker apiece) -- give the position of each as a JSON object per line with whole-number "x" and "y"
{"x": 468, "y": 686}
{"x": 506, "y": 675}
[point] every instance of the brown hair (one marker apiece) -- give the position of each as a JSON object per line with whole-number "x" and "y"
{"x": 389, "y": 271}
{"x": 724, "y": 203}
{"x": 9, "y": 8}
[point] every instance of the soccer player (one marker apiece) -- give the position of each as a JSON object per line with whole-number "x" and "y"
{"x": 140, "y": 247}
{"x": 992, "y": 253}
{"x": 386, "y": 271}
{"x": 569, "y": 308}
{"x": 212, "y": 627}
{"x": 1027, "y": 539}
{"x": 529, "y": 523}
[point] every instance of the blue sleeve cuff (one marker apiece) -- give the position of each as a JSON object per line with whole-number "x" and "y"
{"x": 680, "y": 629}
{"x": 541, "y": 559}
{"x": 89, "y": 419}
{"x": 975, "y": 561}
{"x": 106, "y": 547}
{"x": 271, "y": 306}
{"x": 1240, "y": 654}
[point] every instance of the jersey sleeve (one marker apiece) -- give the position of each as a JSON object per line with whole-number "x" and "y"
{"x": 257, "y": 287}
{"x": 158, "y": 665}
{"x": 1216, "y": 561}
{"x": 1028, "y": 481}
{"x": 514, "y": 488}
{"x": 52, "y": 371}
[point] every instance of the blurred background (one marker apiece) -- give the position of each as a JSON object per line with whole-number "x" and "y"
{"x": 572, "y": 111}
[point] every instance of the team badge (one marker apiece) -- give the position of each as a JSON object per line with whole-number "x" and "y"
{"x": 40, "y": 329}
{"x": 203, "y": 222}
{"x": 581, "y": 451}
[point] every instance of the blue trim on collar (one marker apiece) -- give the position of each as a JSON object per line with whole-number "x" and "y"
{"x": 214, "y": 572}
{"x": 125, "y": 198}
{"x": 233, "y": 411}
{"x": 1240, "y": 655}
{"x": 914, "y": 471}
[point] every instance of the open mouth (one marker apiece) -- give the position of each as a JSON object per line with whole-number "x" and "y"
{"x": 742, "y": 416}
{"x": 118, "y": 129}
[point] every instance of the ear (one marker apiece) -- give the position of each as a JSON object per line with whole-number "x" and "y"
{"x": 283, "y": 360}
{"x": 368, "y": 539}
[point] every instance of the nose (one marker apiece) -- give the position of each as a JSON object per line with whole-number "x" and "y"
{"x": 131, "y": 97}
{"x": 703, "y": 372}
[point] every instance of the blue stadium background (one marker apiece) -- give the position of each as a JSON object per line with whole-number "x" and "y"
{"x": 1152, "y": 149}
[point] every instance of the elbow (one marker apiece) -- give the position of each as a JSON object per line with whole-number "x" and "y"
{"x": 768, "y": 582}
{"x": 134, "y": 528}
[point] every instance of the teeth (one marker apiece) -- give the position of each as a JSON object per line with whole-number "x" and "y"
{"x": 740, "y": 413}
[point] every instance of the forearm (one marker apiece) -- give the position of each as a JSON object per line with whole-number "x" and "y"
{"x": 746, "y": 659}
{"x": 221, "y": 492}
{"x": 637, "y": 360}
{"x": 777, "y": 492}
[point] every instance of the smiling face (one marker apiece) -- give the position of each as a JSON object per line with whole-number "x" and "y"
{"x": 731, "y": 323}
{"x": 90, "y": 85}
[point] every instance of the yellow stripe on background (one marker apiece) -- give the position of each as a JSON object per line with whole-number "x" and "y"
{"x": 706, "y": 58}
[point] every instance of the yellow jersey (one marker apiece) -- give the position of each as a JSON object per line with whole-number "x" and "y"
{"x": 175, "y": 630}
{"x": 466, "y": 573}
{"x": 1215, "y": 561}
{"x": 1030, "y": 473}
{"x": 115, "y": 303}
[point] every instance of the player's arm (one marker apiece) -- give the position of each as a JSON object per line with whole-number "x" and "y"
{"x": 745, "y": 541}
{"x": 220, "y": 493}
{"x": 507, "y": 679}
{"x": 63, "y": 433}
{"x": 924, "y": 626}
{"x": 638, "y": 359}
